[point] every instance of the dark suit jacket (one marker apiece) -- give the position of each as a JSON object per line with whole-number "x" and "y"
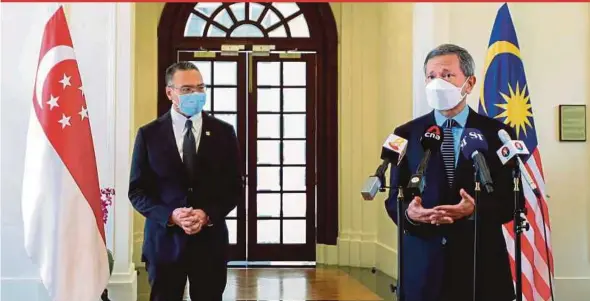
{"x": 158, "y": 184}
{"x": 438, "y": 260}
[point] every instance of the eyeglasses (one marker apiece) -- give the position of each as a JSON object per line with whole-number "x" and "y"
{"x": 190, "y": 89}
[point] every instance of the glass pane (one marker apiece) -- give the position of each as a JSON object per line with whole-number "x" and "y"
{"x": 270, "y": 19}
{"x": 247, "y": 30}
{"x": 278, "y": 32}
{"x": 294, "y": 232}
{"x": 286, "y": 9}
{"x": 229, "y": 118}
{"x": 294, "y": 204}
{"x": 233, "y": 213}
{"x": 294, "y": 74}
{"x": 268, "y": 232}
{"x": 294, "y": 178}
{"x": 268, "y": 205}
{"x": 268, "y": 152}
{"x": 226, "y": 73}
{"x": 268, "y": 73}
{"x": 224, "y": 19}
{"x": 294, "y": 152}
{"x": 294, "y": 126}
{"x": 214, "y": 31}
{"x": 207, "y": 106}
{"x": 268, "y": 126}
{"x": 298, "y": 27}
{"x": 269, "y": 100}
{"x": 232, "y": 229}
{"x": 225, "y": 99}
{"x": 207, "y": 7}
{"x": 239, "y": 10}
{"x": 268, "y": 178}
{"x": 294, "y": 99}
{"x": 194, "y": 26}
{"x": 255, "y": 10}
{"x": 205, "y": 70}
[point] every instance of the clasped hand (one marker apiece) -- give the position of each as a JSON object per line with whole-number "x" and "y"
{"x": 443, "y": 214}
{"x": 189, "y": 219}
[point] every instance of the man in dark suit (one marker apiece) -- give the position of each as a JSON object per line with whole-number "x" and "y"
{"x": 439, "y": 226}
{"x": 186, "y": 176}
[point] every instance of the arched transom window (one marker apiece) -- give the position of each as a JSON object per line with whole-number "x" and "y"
{"x": 245, "y": 19}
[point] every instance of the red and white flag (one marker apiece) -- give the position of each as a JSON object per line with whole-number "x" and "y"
{"x": 61, "y": 201}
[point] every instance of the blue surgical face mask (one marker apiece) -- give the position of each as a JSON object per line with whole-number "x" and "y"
{"x": 191, "y": 104}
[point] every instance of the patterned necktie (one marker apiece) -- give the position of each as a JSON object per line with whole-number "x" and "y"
{"x": 448, "y": 150}
{"x": 189, "y": 149}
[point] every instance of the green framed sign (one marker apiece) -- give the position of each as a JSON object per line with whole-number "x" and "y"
{"x": 572, "y": 123}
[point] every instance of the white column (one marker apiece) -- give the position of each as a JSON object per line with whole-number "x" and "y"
{"x": 123, "y": 282}
{"x": 431, "y": 28}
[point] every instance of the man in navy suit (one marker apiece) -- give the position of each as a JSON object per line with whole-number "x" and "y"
{"x": 439, "y": 228}
{"x": 186, "y": 176}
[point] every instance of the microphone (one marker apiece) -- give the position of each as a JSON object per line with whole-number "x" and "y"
{"x": 431, "y": 142}
{"x": 516, "y": 149}
{"x": 392, "y": 151}
{"x": 472, "y": 145}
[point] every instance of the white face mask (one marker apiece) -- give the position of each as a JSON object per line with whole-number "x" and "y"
{"x": 442, "y": 95}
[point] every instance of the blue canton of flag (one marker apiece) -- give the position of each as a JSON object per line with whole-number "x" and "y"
{"x": 505, "y": 96}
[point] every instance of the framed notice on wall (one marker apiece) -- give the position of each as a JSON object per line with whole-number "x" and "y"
{"x": 572, "y": 123}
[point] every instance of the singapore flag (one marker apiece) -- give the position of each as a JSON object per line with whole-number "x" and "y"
{"x": 61, "y": 201}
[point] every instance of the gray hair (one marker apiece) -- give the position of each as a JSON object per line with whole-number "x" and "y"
{"x": 180, "y": 66}
{"x": 465, "y": 60}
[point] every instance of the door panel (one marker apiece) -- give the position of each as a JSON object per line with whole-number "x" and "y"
{"x": 281, "y": 131}
{"x": 225, "y": 78}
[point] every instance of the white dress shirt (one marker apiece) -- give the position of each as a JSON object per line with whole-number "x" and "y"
{"x": 178, "y": 125}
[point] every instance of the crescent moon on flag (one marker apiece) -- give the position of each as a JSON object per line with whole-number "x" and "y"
{"x": 53, "y": 57}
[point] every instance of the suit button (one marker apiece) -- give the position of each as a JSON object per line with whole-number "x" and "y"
{"x": 443, "y": 241}
{"x": 190, "y": 190}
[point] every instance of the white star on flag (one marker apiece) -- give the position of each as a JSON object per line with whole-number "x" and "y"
{"x": 83, "y": 113}
{"x": 65, "y": 81}
{"x": 53, "y": 102}
{"x": 81, "y": 90}
{"x": 65, "y": 121}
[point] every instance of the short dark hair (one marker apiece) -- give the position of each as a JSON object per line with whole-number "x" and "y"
{"x": 182, "y": 66}
{"x": 465, "y": 60}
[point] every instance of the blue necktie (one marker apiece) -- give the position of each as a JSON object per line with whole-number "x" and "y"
{"x": 448, "y": 150}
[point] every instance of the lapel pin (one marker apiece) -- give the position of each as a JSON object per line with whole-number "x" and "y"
{"x": 207, "y": 133}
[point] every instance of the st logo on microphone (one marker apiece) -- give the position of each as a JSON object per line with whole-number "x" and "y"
{"x": 472, "y": 135}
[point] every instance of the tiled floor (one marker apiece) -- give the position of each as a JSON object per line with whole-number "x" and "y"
{"x": 319, "y": 283}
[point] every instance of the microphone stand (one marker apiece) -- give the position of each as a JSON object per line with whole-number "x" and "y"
{"x": 476, "y": 229}
{"x": 400, "y": 233}
{"x": 519, "y": 224}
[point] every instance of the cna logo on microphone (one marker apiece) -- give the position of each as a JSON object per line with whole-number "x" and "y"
{"x": 433, "y": 132}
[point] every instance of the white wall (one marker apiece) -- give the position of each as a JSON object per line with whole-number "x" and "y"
{"x": 98, "y": 33}
{"x": 554, "y": 42}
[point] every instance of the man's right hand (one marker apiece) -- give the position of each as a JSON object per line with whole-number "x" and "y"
{"x": 417, "y": 213}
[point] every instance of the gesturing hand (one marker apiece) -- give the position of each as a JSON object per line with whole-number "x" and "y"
{"x": 465, "y": 207}
{"x": 418, "y": 213}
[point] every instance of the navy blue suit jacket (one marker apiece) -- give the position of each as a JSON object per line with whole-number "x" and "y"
{"x": 158, "y": 184}
{"x": 438, "y": 260}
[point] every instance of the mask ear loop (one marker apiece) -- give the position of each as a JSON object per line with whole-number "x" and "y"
{"x": 463, "y": 86}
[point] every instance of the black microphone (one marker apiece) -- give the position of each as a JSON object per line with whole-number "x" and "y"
{"x": 473, "y": 144}
{"x": 392, "y": 151}
{"x": 431, "y": 142}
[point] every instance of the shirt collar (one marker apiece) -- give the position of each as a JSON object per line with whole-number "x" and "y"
{"x": 460, "y": 118}
{"x": 181, "y": 119}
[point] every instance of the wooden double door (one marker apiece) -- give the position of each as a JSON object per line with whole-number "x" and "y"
{"x": 270, "y": 100}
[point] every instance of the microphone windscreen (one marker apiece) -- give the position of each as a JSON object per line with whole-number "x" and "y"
{"x": 504, "y": 136}
{"x": 432, "y": 139}
{"x": 472, "y": 140}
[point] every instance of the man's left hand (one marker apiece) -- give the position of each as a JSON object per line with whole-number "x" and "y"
{"x": 461, "y": 210}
